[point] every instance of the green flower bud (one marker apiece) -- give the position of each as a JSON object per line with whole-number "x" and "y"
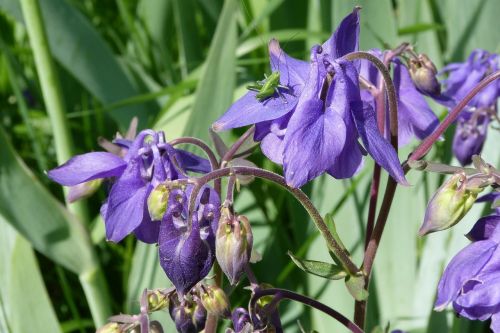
{"x": 110, "y": 328}
{"x": 215, "y": 301}
{"x": 233, "y": 244}
{"x": 449, "y": 204}
{"x": 156, "y": 300}
{"x": 157, "y": 202}
{"x": 423, "y": 73}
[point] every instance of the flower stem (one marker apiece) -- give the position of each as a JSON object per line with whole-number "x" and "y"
{"x": 287, "y": 294}
{"x": 332, "y": 245}
{"x": 93, "y": 282}
{"x": 234, "y": 148}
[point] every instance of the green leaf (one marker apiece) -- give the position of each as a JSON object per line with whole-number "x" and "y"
{"x": 319, "y": 268}
{"x": 214, "y": 93}
{"x": 79, "y": 48}
{"x": 419, "y": 27}
{"x": 38, "y": 216}
{"x": 356, "y": 287}
{"x": 23, "y": 298}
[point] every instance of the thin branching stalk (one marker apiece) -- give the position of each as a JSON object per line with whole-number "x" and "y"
{"x": 280, "y": 294}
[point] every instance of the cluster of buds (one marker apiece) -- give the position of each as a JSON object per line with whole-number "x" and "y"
{"x": 456, "y": 196}
{"x": 151, "y": 301}
{"x": 233, "y": 244}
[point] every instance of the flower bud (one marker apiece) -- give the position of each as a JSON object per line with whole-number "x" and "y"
{"x": 155, "y": 327}
{"x": 157, "y": 202}
{"x": 189, "y": 315}
{"x": 156, "y": 300}
{"x": 233, "y": 244}
{"x": 423, "y": 73}
{"x": 215, "y": 301}
{"x": 449, "y": 204}
{"x": 83, "y": 190}
{"x": 110, "y": 328}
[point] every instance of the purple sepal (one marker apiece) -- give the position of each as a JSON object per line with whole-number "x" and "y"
{"x": 470, "y": 135}
{"x": 82, "y": 168}
{"x": 484, "y": 228}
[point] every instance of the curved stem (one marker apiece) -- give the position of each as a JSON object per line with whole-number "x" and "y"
{"x": 426, "y": 145}
{"x": 206, "y": 149}
{"x": 200, "y": 144}
{"x": 287, "y": 294}
{"x": 297, "y": 193}
{"x": 391, "y": 91}
{"x": 234, "y": 148}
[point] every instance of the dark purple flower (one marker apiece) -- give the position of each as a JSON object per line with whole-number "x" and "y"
{"x": 317, "y": 130}
{"x": 463, "y": 77}
{"x": 187, "y": 250}
{"x": 415, "y": 117}
{"x": 471, "y": 282}
{"x": 189, "y": 316}
{"x": 148, "y": 162}
{"x": 470, "y": 135}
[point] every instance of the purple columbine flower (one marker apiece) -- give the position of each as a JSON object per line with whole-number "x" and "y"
{"x": 415, "y": 117}
{"x": 470, "y": 135}
{"x": 463, "y": 77}
{"x": 471, "y": 282}
{"x": 149, "y": 161}
{"x": 317, "y": 129}
{"x": 472, "y": 124}
{"x": 187, "y": 250}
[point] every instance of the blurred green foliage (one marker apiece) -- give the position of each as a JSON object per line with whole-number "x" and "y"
{"x": 177, "y": 65}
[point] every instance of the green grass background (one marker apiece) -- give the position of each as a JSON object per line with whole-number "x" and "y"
{"x": 177, "y": 65}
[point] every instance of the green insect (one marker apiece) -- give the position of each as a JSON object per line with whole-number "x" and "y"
{"x": 267, "y": 87}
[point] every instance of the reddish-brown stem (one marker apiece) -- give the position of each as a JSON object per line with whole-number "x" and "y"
{"x": 234, "y": 148}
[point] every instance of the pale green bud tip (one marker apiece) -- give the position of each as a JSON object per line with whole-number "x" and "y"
{"x": 448, "y": 205}
{"x": 110, "y": 328}
{"x": 157, "y": 202}
{"x": 156, "y": 300}
{"x": 215, "y": 301}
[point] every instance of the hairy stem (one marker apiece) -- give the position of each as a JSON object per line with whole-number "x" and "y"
{"x": 297, "y": 193}
{"x": 280, "y": 294}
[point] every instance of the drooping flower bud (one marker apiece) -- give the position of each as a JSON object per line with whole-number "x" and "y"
{"x": 423, "y": 73}
{"x": 215, "y": 301}
{"x": 187, "y": 248}
{"x": 449, "y": 204}
{"x": 155, "y": 327}
{"x": 156, "y": 300}
{"x": 188, "y": 315}
{"x": 233, "y": 244}
{"x": 83, "y": 190}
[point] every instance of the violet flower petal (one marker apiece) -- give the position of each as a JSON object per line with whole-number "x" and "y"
{"x": 85, "y": 167}
{"x": 464, "y": 266}
{"x": 249, "y": 110}
{"x": 125, "y": 205}
{"x": 484, "y": 228}
{"x": 345, "y": 38}
{"x": 377, "y": 146}
{"x": 314, "y": 137}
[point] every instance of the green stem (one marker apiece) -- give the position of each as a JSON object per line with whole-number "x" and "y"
{"x": 96, "y": 292}
{"x": 92, "y": 280}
